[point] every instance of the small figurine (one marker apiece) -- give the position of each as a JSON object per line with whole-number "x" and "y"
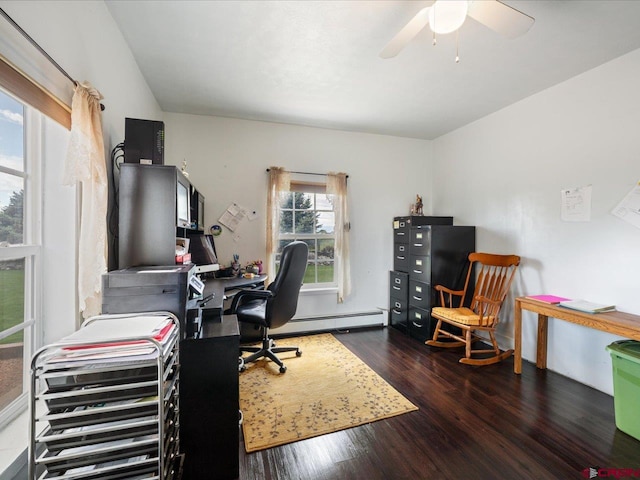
{"x": 184, "y": 168}
{"x": 418, "y": 206}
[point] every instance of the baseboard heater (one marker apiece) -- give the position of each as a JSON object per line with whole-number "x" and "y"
{"x": 327, "y": 323}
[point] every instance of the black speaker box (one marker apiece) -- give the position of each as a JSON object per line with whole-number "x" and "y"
{"x": 143, "y": 141}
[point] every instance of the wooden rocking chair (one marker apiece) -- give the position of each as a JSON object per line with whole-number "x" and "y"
{"x": 494, "y": 276}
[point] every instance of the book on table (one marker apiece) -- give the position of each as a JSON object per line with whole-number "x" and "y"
{"x": 588, "y": 307}
{"x": 551, "y": 299}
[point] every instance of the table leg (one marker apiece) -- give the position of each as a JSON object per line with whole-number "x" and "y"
{"x": 541, "y": 354}
{"x": 517, "y": 337}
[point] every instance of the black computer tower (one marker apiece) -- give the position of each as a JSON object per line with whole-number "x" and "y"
{"x": 143, "y": 141}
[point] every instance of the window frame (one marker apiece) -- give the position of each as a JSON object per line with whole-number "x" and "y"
{"x": 315, "y": 188}
{"x": 30, "y": 250}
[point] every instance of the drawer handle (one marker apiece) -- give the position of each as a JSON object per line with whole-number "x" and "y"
{"x": 400, "y": 257}
{"x": 400, "y": 233}
{"x": 417, "y": 244}
{"x": 396, "y": 311}
{"x": 417, "y": 271}
{"x": 396, "y": 288}
{"x": 417, "y": 325}
{"x": 417, "y": 298}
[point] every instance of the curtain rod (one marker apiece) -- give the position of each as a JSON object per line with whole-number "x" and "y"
{"x": 40, "y": 49}
{"x": 309, "y": 173}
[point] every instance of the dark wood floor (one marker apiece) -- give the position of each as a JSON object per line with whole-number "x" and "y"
{"x": 472, "y": 423}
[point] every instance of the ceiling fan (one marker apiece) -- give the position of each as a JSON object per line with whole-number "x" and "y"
{"x": 446, "y": 16}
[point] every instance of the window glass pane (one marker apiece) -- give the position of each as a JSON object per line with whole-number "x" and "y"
{"x": 310, "y": 273}
{"x": 304, "y": 222}
{"x": 325, "y": 272}
{"x": 11, "y": 209}
{"x": 325, "y": 223}
{"x": 312, "y": 248}
{"x": 326, "y": 247}
{"x": 11, "y": 296}
{"x": 286, "y": 221}
{"x": 304, "y": 201}
{"x": 11, "y": 133}
{"x": 324, "y": 202}
{"x": 11, "y": 368}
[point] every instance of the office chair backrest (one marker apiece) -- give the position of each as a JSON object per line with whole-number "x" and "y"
{"x": 286, "y": 286}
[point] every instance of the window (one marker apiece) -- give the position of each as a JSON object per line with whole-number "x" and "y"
{"x": 19, "y": 252}
{"x": 307, "y": 214}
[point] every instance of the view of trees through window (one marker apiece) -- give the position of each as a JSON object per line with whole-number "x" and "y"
{"x": 12, "y": 266}
{"x": 310, "y": 217}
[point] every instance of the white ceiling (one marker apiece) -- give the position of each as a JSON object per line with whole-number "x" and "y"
{"x": 316, "y": 62}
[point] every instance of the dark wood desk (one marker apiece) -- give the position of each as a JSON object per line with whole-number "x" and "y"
{"x": 617, "y": 323}
{"x": 209, "y": 401}
{"x": 209, "y": 387}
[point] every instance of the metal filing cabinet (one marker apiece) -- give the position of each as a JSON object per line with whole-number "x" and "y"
{"x": 399, "y": 276}
{"x": 437, "y": 256}
{"x": 428, "y": 251}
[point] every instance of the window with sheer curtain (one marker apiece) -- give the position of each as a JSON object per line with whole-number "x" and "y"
{"x": 316, "y": 213}
{"x": 26, "y": 110}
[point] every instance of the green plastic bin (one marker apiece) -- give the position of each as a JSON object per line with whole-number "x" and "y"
{"x": 625, "y": 357}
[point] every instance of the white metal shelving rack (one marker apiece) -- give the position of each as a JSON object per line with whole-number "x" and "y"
{"x": 106, "y": 406}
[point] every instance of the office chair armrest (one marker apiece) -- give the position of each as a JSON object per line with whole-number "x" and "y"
{"x": 248, "y": 295}
{"x": 450, "y": 294}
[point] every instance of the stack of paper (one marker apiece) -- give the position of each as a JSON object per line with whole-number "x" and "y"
{"x": 589, "y": 307}
{"x": 551, "y": 299}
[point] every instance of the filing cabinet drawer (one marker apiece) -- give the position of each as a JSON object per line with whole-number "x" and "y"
{"x": 401, "y": 257}
{"x": 420, "y": 294}
{"x": 401, "y": 229}
{"x": 421, "y": 324}
{"x": 421, "y": 241}
{"x": 420, "y": 268}
{"x": 398, "y": 285}
{"x": 397, "y": 312}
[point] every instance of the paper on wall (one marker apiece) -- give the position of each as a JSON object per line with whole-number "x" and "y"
{"x": 576, "y": 204}
{"x": 629, "y": 208}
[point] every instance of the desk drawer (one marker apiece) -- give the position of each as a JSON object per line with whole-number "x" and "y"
{"x": 401, "y": 257}
{"x": 420, "y": 268}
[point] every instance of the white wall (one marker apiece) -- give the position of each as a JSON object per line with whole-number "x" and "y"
{"x": 227, "y": 161}
{"x": 89, "y": 49}
{"x": 504, "y": 173}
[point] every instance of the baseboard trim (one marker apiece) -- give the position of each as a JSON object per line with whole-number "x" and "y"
{"x": 329, "y": 323}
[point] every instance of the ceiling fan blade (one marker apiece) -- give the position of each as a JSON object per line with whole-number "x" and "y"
{"x": 501, "y": 18}
{"x": 407, "y": 33}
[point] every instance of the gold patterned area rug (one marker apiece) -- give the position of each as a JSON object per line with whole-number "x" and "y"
{"x": 325, "y": 390}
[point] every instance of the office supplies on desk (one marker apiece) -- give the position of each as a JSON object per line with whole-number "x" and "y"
{"x": 552, "y": 299}
{"x": 588, "y": 307}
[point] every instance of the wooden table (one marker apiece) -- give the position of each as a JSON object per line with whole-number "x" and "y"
{"x": 617, "y": 323}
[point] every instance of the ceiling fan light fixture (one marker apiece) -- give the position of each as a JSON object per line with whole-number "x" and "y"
{"x": 446, "y": 16}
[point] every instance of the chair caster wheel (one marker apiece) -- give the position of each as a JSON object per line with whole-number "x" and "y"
{"x": 298, "y": 353}
{"x": 242, "y": 368}
{"x": 283, "y": 369}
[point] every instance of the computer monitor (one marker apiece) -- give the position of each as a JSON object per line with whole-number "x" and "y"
{"x": 203, "y": 253}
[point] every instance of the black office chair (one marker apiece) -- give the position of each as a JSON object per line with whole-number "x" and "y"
{"x": 275, "y": 306}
